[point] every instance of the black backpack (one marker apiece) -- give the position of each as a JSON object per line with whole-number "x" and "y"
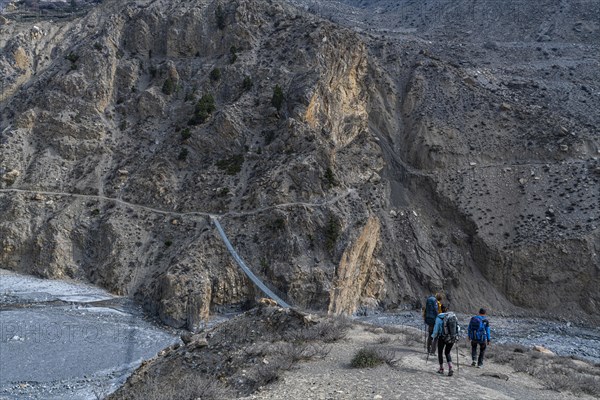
{"x": 431, "y": 310}
{"x": 450, "y": 328}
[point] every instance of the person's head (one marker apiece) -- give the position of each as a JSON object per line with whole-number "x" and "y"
{"x": 444, "y": 308}
{"x": 438, "y": 296}
{"x": 482, "y": 311}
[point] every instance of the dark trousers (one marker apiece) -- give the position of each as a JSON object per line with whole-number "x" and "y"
{"x": 444, "y": 348}
{"x": 482, "y": 347}
{"x": 430, "y": 339}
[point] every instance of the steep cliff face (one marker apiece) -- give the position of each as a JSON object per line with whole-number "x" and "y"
{"x": 118, "y": 180}
{"x": 385, "y": 170}
{"x": 359, "y": 278}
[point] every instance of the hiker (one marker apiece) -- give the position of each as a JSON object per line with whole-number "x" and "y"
{"x": 479, "y": 334}
{"x": 447, "y": 332}
{"x": 433, "y": 306}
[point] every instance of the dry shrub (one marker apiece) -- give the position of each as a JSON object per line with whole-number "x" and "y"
{"x": 189, "y": 387}
{"x": 327, "y": 330}
{"x": 562, "y": 379}
{"x": 271, "y": 369}
{"x": 557, "y": 373}
{"x": 384, "y": 340}
{"x": 369, "y": 357}
{"x": 366, "y": 358}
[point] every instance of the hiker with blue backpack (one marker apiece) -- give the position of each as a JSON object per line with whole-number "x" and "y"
{"x": 433, "y": 306}
{"x": 447, "y": 332}
{"x": 479, "y": 334}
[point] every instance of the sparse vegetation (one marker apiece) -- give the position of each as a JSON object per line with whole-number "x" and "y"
{"x": 557, "y": 373}
{"x": 277, "y": 99}
{"x": 168, "y": 243}
{"x": 231, "y": 165}
{"x": 328, "y": 330}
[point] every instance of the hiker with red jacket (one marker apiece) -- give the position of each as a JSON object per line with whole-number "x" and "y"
{"x": 447, "y": 332}
{"x": 479, "y": 334}
{"x": 433, "y": 306}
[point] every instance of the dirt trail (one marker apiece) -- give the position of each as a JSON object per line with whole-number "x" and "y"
{"x": 411, "y": 377}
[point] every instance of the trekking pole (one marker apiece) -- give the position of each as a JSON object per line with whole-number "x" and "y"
{"x": 457, "y": 361}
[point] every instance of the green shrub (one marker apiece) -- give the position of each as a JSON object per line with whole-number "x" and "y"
{"x": 183, "y": 154}
{"x": 232, "y": 54}
{"x": 204, "y": 107}
{"x": 168, "y": 243}
{"x": 231, "y": 165}
{"x": 366, "y": 358}
{"x": 98, "y": 46}
{"x": 189, "y": 96}
{"x": 220, "y": 17}
{"x": 186, "y": 134}
{"x": 168, "y": 87}
{"x": 247, "y": 83}
{"x": 330, "y": 178}
{"x": 215, "y": 74}
{"x": 72, "y": 57}
{"x": 278, "y": 224}
{"x": 269, "y": 136}
{"x": 332, "y": 232}
{"x": 277, "y": 99}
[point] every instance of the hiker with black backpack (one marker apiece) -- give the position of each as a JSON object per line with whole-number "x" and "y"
{"x": 447, "y": 332}
{"x": 433, "y": 306}
{"x": 479, "y": 334}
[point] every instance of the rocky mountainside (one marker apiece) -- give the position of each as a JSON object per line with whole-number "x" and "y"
{"x": 358, "y": 154}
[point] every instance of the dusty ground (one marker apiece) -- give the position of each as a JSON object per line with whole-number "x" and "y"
{"x": 270, "y": 353}
{"x": 411, "y": 377}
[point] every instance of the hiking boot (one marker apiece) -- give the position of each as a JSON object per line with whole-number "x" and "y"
{"x": 441, "y": 371}
{"x": 450, "y": 372}
{"x": 479, "y": 365}
{"x": 473, "y": 364}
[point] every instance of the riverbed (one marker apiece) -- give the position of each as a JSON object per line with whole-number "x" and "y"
{"x": 68, "y": 340}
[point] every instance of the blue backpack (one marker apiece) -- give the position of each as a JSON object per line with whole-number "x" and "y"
{"x": 477, "y": 327}
{"x": 431, "y": 310}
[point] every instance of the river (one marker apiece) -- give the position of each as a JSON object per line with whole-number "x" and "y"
{"x": 68, "y": 340}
